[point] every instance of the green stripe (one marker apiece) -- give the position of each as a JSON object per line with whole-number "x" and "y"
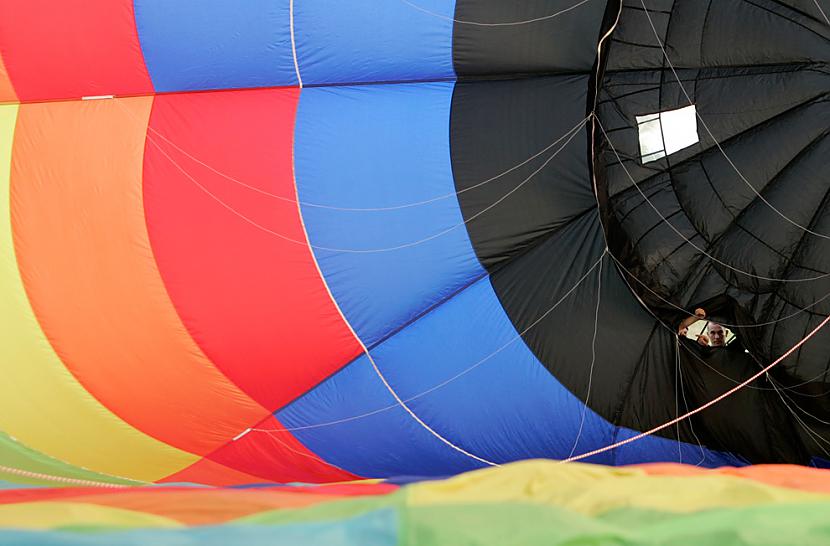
{"x": 496, "y": 524}
{"x": 13, "y": 454}
{"x": 489, "y": 525}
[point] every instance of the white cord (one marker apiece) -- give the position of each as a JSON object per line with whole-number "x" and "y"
{"x": 573, "y": 132}
{"x": 708, "y": 404}
{"x": 294, "y": 43}
{"x": 442, "y": 384}
{"x": 503, "y": 24}
{"x": 677, "y": 398}
{"x": 308, "y": 204}
{"x": 826, "y": 20}
{"x": 686, "y": 404}
{"x": 686, "y": 311}
{"x": 673, "y": 332}
{"x": 593, "y": 358}
{"x": 815, "y": 436}
{"x": 365, "y": 349}
{"x": 664, "y": 219}
{"x": 712, "y": 136}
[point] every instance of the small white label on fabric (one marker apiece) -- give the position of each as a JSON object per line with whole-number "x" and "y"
{"x": 664, "y": 133}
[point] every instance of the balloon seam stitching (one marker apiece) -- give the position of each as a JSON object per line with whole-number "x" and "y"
{"x": 363, "y": 347}
{"x": 708, "y": 404}
{"x": 712, "y": 136}
{"x": 294, "y": 43}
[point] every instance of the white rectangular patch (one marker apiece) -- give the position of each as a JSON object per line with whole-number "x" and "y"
{"x": 664, "y": 133}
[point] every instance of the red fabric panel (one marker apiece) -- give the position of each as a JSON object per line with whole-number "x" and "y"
{"x": 55, "y": 50}
{"x": 254, "y": 302}
{"x": 207, "y": 472}
{"x": 93, "y": 282}
{"x": 156, "y": 495}
{"x": 206, "y": 506}
{"x": 37, "y": 494}
{"x": 277, "y": 457}
{"x": 83, "y": 494}
{"x": 350, "y": 489}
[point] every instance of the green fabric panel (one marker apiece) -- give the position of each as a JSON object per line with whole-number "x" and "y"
{"x": 15, "y": 455}
{"x": 763, "y": 525}
{"x": 375, "y": 528}
{"x": 398, "y": 520}
{"x": 491, "y": 524}
{"x": 494, "y": 525}
{"x": 500, "y": 524}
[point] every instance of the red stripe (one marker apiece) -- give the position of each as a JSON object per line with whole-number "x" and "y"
{"x": 205, "y": 471}
{"x": 38, "y": 494}
{"x": 254, "y": 302}
{"x": 277, "y": 457}
{"x": 55, "y": 50}
{"x": 85, "y": 494}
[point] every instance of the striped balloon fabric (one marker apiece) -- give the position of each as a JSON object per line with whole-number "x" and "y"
{"x": 529, "y": 503}
{"x": 271, "y": 270}
{"x": 297, "y": 241}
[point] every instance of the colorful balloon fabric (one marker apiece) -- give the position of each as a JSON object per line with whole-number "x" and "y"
{"x": 533, "y": 502}
{"x": 251, "y": 245}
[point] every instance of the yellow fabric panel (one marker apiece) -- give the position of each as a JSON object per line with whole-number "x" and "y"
{"x": 54, "y": 515}
{"x": 41, "y": 403}
{"x": 594, "y": 490}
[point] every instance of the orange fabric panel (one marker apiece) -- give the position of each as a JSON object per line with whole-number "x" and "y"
{"x": 780, "y": 475}
{"x": 7, "y": 93}
{"x": 210, "y": 472}
{"x": 42, "y": 405}
{"x": 90, "y": 274}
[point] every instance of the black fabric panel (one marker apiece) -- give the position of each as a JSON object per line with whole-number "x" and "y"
{"x": 718, "y": 33}
{"x": 635, "y": 381}
{"x": 752, "y": 421}
{"x": 757, "y": 72}
{"x": 564, "y": 43}
{"x": 772, "y": 122}
{"x": 497, "y": 125}
{"x": 739, "y": 108}
{"x": 537, "y": 240}
{"x": 530, "y": 284}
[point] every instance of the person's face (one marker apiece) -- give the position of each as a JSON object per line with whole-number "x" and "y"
{"x": 716, "y": 335}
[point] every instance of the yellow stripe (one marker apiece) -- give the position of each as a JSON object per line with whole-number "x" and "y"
{"x": 41, "y": 403}
{"x": 594, "y": 490}
{"x": 54, "y": 515}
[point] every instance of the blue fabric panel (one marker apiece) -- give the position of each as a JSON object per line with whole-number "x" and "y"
{"x": 351, "y": 42}
{"x": 215, "y": 44}
{"x": 375, "y": 528}
{"x": 376, "y": 438}
{"x": 382, "y": 146}
{"x": 507, "y": 407}
{"x": 818, "y": 462}
{"x": 654, "y": 449}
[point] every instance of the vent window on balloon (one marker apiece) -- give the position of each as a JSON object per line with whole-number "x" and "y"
{"x": 664, "y": 133}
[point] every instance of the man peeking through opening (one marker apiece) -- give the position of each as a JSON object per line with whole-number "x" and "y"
{"x": 712, "y": 336}
{"x": 717, "y": 337}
